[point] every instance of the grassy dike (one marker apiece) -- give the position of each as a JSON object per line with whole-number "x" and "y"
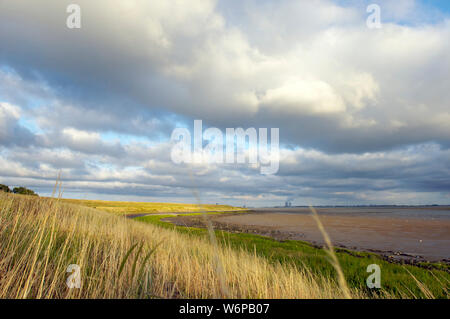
{"x": 117, "y": 257}
{"x": 398, "y": 280}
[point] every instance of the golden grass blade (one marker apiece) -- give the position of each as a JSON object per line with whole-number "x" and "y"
{"x": 427, "y": 293}
{"x": 212, "y": 237}
{"x": 58, "y": 178}
{"x": 334, "y": 260}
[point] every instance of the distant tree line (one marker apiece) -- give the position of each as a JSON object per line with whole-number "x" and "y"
{"x": 17, "y": 190}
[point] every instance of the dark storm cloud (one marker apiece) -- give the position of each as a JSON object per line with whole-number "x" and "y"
{"x": 11, "y": 131}
{"x": 141, "y": 56}
{"x": 306, "y": 176}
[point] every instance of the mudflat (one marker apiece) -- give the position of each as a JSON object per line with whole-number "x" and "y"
{"x": 409, "y": 233}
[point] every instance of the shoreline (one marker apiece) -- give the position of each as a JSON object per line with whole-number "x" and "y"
{"x": 393, "y": 256}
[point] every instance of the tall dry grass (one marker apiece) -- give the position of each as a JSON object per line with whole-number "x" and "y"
{"x": 122, "y": 258}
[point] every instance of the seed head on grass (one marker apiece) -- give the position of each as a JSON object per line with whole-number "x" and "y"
{"x": 331, "y": 253}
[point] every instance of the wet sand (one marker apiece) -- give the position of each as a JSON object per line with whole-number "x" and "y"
{"x": 421, "y": 236}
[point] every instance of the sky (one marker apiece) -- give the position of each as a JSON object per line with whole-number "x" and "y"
{"x": 363, "y": 113}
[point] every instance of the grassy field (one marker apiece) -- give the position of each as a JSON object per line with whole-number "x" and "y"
{"x": 123, "y": 258}
{"x": 123, "y": 208}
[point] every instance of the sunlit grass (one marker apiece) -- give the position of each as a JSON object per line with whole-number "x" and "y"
{"x": 147, "y": 208}
{"x": 123, "y": 258}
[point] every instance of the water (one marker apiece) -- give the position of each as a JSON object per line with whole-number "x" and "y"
{"x": 419, "y": 212}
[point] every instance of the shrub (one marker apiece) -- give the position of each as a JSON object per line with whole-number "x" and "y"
{"x": 24, "y": 191}
{"x": 4, "y": 188}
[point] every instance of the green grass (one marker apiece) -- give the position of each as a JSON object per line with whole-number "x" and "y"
{"x": 395, "y": 278}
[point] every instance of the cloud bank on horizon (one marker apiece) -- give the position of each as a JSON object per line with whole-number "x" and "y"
{"x": 364, "y": 114}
